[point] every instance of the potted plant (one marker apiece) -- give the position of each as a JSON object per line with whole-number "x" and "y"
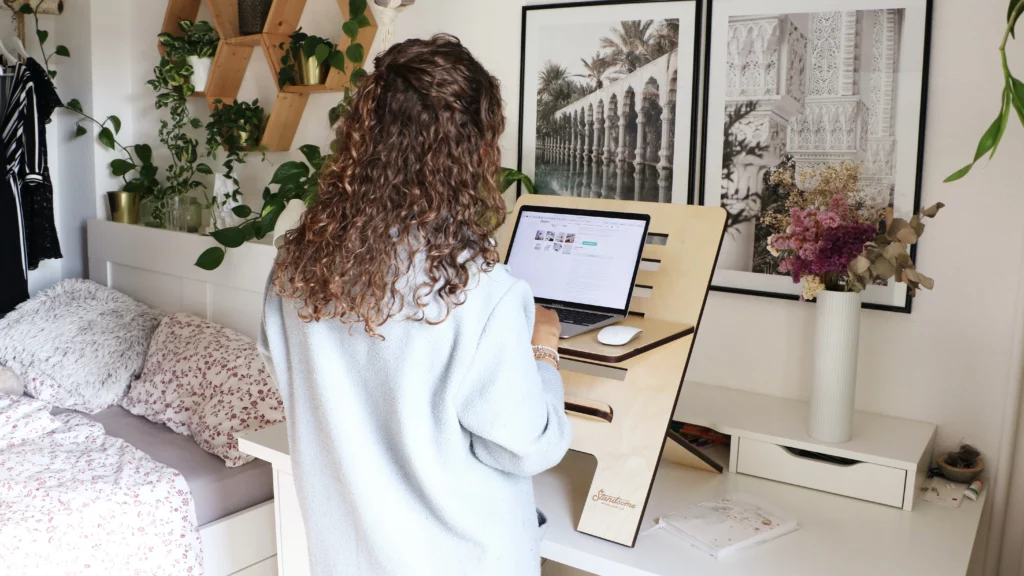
{"x": 237, "y": 129}
{"x": 308, "y": 59}
{"x": 837, "y": 240}
{"x": 196, "y": 47}
{"x": 252, "y": 16}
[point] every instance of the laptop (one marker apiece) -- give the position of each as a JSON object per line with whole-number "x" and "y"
{"x": 580, "y": 263}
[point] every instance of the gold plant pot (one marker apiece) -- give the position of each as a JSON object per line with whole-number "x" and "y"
{"x": 308, "y": 72}
{"x": 124, "y": 207}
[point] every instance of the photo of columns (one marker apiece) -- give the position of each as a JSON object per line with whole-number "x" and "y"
{"x": 816, "y": 87}
{"x": 605, "y": 111}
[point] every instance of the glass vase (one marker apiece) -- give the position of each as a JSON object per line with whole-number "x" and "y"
{"x": 194, "y": 220}
{"x": 176, "y": 214}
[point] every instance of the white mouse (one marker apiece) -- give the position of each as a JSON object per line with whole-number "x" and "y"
{"x": 618, "y": 335}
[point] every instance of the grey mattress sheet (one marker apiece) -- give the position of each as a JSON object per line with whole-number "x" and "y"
{"x": 218, "y": 491}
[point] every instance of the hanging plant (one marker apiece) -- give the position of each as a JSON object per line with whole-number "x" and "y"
{"x": 135, "y": 168}
{"x": 172, "y": 84}
{"x": 294, "y": 181}
{"x": 41, "y": 35}
{"x": 1011, "y": 100}
{"x": 355, "y": 53}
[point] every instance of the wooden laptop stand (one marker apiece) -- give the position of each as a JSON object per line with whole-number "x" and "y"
{"x": 621, "y": 416}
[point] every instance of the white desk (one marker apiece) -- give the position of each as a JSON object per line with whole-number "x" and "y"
{"x": 838, "y": 536}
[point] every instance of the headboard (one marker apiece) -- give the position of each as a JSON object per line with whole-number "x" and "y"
{"x": 157, "y": 267}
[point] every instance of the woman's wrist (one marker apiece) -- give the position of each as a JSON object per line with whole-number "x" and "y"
{"x": 546, "y": 354}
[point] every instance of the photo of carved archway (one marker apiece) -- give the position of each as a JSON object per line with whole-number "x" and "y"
{"x": 836, "y": 84}
{"x": 607, "y": 99}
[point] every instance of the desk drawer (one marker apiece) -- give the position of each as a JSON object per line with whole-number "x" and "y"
{"x": 871, "y": 482}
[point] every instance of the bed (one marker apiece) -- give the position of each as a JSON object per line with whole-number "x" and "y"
{"x": 234, "y": 506}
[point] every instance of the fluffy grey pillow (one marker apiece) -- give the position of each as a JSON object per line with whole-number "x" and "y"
{"x": 78, "y": 345}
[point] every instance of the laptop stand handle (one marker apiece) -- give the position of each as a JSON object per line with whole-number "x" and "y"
{"x": 591, "y": 408}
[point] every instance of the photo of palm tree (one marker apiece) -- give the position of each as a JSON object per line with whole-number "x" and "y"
{"x": 605, "y": 102}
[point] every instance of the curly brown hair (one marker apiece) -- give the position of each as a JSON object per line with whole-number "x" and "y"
{"x": 415, "y": 172}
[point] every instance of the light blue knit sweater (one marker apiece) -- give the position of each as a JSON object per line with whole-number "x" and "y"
{"x": 413, "y": 456}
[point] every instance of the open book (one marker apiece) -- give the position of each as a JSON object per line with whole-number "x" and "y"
{"x": 727, "y": 525}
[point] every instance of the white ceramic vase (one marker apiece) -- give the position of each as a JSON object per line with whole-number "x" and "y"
{"x": 836, "y": 341}
{"x": 200, "y": 71}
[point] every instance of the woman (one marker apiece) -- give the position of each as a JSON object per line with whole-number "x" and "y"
{"x": 417, "y": 409}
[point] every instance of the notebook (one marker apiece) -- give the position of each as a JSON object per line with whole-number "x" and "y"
{"x": 725, "y": 526}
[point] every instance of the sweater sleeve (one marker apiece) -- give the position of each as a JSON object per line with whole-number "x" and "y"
{"x": 513, "y": 405}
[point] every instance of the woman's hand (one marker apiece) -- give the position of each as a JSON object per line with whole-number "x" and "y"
{"x": 546, "y": 328}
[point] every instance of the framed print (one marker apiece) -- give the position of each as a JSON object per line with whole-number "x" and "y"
{"x": 607, "y": 104}
{"x": 817, "y": 82}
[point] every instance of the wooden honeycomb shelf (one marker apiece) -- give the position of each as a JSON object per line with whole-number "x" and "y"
{"x": 234, "y": 52}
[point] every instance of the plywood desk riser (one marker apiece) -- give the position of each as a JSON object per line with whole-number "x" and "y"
{"x": 622, "y": 421}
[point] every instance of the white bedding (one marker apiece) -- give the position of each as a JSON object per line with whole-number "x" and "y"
{"x": 74, "y": 501}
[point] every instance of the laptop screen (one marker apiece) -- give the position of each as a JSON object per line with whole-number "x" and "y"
{"x": 580, "y": 257}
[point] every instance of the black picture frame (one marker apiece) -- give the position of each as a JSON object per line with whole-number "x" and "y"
{"x": 695, "y": 121}
{"x": 919, "y": 159}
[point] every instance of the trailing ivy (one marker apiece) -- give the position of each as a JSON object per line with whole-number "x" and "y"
{"x": 294, "y": 181}
{"x": 172, "y": 83}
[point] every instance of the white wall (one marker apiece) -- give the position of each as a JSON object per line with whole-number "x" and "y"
{"x": 951, "y": 362}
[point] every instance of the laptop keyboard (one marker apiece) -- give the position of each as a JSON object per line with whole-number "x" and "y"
{"x": 580, "y": 318}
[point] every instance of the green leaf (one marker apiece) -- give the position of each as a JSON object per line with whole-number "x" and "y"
{"x": 80, "y": 130}
{"x": 148, "y": 172}
{"x": 355, "y": 53}
{"x": 1017, "y": 96}
{"x": 290, "y": 172}
{"x": 25, "y": 9}
{"x": 42, "y": 35}
{"x": 351, "y": 29}
{"x": 144, "y": 152}
{"x": 249, "y": 228}
{"x": 230, "y": 237}
{"x": 992, "y": 135}
{"x": 336, "y": 60}
{"x": 356, "y": 8}
{"x": 75, "y": 105}
{"x": 322, "y": 52}
{"x": 210, "y": 259}
{"x": 242, "y": 211}
{"x": 309, "y": 46}
{"x": 203, "y": 168}
{"x": 1009, "y": 15}
{"x": 313, "y": 155}
{"x": 357, "y": 75}
{"x": 116, "y": 123}
{"x": 959, "y": 173}
{"x": 120, "y": 167}
{"x": 1004, "y": 118}
{"x": 52, "y": 73}
{"x": 135, "y": 185}
{"x": 106, "y": 137}
{"x": 63, "y": 51}
{"x": 363, "y": 21}
{"x": 196, "y": 123}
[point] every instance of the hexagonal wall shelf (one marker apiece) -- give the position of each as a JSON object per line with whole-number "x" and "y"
{"x": 235, "y": 51}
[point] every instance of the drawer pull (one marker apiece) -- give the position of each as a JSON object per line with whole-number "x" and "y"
{"x": 817, "y": 456}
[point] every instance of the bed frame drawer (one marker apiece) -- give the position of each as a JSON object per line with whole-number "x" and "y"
{"x": 863, "y": 480}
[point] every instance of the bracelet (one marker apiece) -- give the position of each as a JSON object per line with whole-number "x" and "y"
{"x": 547, "y": 353}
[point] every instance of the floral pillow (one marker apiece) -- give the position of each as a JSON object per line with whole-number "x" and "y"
{"x": 23, "y": 418}
{"x": 207, "y": 381}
